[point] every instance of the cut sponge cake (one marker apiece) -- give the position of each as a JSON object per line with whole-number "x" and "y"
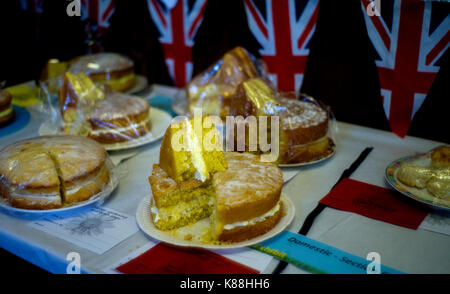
{"x": 242, "y": 201}
{"x": 52, "y": 171}
{"x": 247, "y": 197}
{"x": 192, "y": 149}
{"x": 178, "y": 204}
{"x": 101, "y": 113}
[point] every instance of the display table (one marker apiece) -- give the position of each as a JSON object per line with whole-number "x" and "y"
{"x": 411, "y": 251}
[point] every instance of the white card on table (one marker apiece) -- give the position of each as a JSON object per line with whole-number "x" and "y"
{"x": 96, "y": 229}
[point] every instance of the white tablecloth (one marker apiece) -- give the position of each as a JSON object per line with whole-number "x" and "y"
{"x": 411, "y": 251}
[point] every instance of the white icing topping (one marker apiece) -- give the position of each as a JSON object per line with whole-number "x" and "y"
{"x": 154, "y": 210}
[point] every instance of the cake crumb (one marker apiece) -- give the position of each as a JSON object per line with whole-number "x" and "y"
{"x": 188, "y": 237}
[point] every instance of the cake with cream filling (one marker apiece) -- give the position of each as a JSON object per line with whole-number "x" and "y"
{"x": 119, "y": 117}
{"x": 101, "y": 113}
{"x": 6, "y": 109}
{"x": 108, "y": 68}
{"x": 303, "y": 126}
{"x": 52, "y": 171}
{"x": 238, "y": 192}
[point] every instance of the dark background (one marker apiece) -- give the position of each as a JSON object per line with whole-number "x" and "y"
{"x": 340, "y": 70}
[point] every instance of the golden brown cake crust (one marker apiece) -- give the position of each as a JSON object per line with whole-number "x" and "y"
{"x": 87, "y": 188}
{"x": 121, "y": 135}
{"x": 239, "y": 234}
{"x": 303, "y": 122}
{"x": 247, "y": 189}
{"x": 38, "y": 203}
{"x": 119, "y": 118}
{"x": 109, "y": 67}
{"x": 34, "y": 172}
{"x": 118, "y": 110}
{"x": 162, "y": 185}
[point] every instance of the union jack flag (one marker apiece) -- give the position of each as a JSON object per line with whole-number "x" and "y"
{"x": 177, "y": 27}
{"x": 409, "y": 37}
{"x": 98, "y": 10}
{"x": 283, "y": 28}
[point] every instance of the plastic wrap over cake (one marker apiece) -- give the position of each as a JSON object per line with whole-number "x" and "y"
{"x": 212, "y": 89}
{"x": 51, "y": 172}
{"x": 112, "y": 69}
{"x": 305, "y": 129}
{"x": 97, "y": 111}
{"x": 308, "y": 129}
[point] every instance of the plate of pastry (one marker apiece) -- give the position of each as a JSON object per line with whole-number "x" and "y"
{"x": 54, "y": 174}
{"x": 424, "y": 177}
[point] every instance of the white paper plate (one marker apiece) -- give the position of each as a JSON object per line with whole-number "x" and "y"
{"x": 139, "y": 85}
{"x": 145, "y": 222}
{"x": 98, "y": 198}
{"x": 160, "y": 121}
{"x": 419, "y": 195}
{"x": 330, "y": 152}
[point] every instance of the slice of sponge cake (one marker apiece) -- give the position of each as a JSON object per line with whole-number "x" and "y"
{"x": 191, "y": 149}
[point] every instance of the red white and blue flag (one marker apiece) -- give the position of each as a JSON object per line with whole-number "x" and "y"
{"x": 98, "y": 10}
{"x": 409, "y": 37}
{"x": 283, "y": 29}
{"x": 177, "y": 23}
{"x": 102, "y": 12}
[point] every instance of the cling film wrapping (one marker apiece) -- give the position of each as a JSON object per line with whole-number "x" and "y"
{"x": 51, "y": 172}
{"x": 305, "y": 128}
{"x": 96, "y": 111}
{"x": 212, "y": 89}
{"x": 112, "y": 69}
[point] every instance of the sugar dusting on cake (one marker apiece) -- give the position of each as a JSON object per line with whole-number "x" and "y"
{"x": 301, "y": 114}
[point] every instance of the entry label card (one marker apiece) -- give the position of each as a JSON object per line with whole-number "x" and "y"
{"x": 94, "y": 228}
{"x": 318, "y": 257}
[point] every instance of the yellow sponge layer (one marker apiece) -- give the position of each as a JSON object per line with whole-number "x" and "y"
{"x": 192, "y": 149}
{"x": 183, "y": 213}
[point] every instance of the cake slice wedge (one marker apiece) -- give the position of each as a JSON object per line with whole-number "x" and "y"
{"x": 192, "y": 149}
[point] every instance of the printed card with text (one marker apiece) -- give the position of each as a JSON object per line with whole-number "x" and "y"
{"x": 96, "y": 229}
